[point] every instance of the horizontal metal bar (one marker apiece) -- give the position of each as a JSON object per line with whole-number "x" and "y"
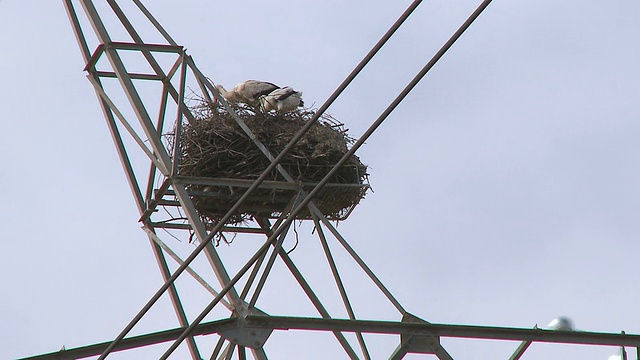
{"x": 134, "y": 341}
{"x": 145, "y": 47}
{"x": 160, "y": 225}
{"x": 266, "y": 184}
{"x": 244, "y": 230}
{"x": 163, "y": 202}
{"x": 134, "y": 76}
{"x": 444, "y": 330}
{"x": 365, "y": 326}
{"x": 220, "y": 195}
{"x": 97, "y": 53}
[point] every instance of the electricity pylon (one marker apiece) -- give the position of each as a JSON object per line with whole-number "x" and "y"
{"x": 141, "y": 107}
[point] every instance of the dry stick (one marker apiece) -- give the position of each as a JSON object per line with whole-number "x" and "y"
{"x": 346, "y": 157}
{"x": 260, "y": 179}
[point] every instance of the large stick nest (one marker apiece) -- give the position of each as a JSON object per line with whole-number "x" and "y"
{"x": 215, "y": 146}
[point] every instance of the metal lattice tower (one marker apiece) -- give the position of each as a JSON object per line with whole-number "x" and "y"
{"x": 141, "y": 107}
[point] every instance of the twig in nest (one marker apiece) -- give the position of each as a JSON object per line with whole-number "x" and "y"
{"x": 295, "y": 231}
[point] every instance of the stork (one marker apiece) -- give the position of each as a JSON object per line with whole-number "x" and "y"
{"x": 248, "y": 92}
{"x": 282, "y": 100}
{"x": 562, "y": 323}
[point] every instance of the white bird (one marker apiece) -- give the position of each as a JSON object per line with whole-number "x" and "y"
{"x": 282, "y": 100}
{"x": 561, "y": 323}
{"x": 248, "y": 92}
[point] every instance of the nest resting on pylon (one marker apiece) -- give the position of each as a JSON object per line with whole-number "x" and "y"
{"x": 215, "y": 146}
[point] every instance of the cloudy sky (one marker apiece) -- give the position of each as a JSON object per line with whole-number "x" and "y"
{"x": 506, "y": 184}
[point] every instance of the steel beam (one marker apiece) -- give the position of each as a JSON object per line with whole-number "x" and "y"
{"x": 363, "y": 265}
{"x": 265, "y": 227}
{"x": 364, "y": 326}
{"x": 315, "y": 300}
{"x": 77, "y": 30}
{"x": 341, "y": 288}
{"x": 173, "y": 294}
{"x": 446, "y": 330}
{"x": 520, "y": 350}
{"x": 134, "y": 76}
{"x": 155, "y": 22}
{"x": 266, "y": 184}
{"x": 153, "y": 236}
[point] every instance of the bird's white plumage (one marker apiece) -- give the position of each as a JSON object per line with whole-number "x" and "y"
{"x": 282, "y": 100}
{"x": 248, "y": 92}
{"x": 561, "y": 323}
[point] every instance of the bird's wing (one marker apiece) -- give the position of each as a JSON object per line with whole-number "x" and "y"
{"x": 255, "y": 88}
{"x": 283, "y": 93}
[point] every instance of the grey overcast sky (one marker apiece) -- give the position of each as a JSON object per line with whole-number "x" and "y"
{"x": 506, "y": 184}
